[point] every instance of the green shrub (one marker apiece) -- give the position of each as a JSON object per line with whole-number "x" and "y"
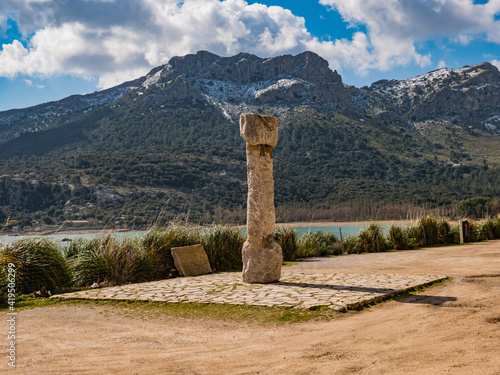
{"x": 397, "y": 238}
{"x": 496, "y": 227}
{"x": 287, "y": 238}
{"x": 443, "y": 230}
{"x": 223, "y": 246}
{"x": 486, "y": 229}
{"x": 413, "y": 236}
{"x": 475, "y": 233}
{"x": 107, "y": 260}
{"x": 428, "y": 231}
{"x": 38, "y": 263}
{"x": 307, "y": 245}
{"x": 454, "y": 235}
{"x": 316, "y": 244}
{"x": 371, "y": 239}
{"x": 351, "y": 245}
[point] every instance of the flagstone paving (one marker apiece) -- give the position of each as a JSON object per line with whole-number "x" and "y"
{"x": 298, "y": 290}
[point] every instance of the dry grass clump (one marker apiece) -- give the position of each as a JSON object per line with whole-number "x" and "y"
{"x": 286, "y": 237}
{"x": 38, "y": 263}
{"x": 223, "y": 246}
{"x": 316, "y": 244}
{"x": 111, "y": 261}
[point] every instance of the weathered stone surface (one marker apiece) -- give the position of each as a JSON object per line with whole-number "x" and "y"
{"x": 191, "y": 260}
{"x": 299, "y": 290}
{"x": 259, "y": 130}
{"x": 262, "y": 256}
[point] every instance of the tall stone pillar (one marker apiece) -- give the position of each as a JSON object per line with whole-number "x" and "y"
{"x": 262, "y": 256}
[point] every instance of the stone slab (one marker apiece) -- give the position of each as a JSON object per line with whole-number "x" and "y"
{"x": 191, "y": 260}
{"x": 340, "y": 292}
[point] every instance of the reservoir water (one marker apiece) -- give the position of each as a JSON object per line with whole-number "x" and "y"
{"x": 347, "y": 230}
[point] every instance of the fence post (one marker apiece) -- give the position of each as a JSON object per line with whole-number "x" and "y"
{"x": 461, "y": 230}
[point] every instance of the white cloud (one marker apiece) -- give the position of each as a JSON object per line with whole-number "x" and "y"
{"x": 441, "y": 64}
{"x": 394, "y": 27}
{"x": 496, "y": 63}
{"x": 29, "y": 82}
{"x": 121, "y": 40}
{"x": 74, "y": 39}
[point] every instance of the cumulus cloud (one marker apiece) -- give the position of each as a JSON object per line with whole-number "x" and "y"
{"x": 394, "y": 27}
{"x": 118, "y": 40}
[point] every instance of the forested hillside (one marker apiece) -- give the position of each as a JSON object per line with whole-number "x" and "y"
{"x": 167, "y": 150}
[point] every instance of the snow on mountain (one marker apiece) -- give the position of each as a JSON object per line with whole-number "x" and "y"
{"x": 52, "y": 114}
{"x": 467, "y": 95}
{"x": 245, "y": 82}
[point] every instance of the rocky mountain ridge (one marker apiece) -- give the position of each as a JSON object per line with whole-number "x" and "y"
{"x": 245, "y": 82}
{"x": 45, "y": 116}
{"x": 469, "y": 96}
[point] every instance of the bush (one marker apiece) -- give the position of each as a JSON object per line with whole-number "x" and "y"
{"x": 428, "y": 231}
{"x": 317, "y": 244}
{"x": 223, "y": 246}
{"x": 413, "y": 236}
{"x": 287, "y": 238}
{"x": 107, "y": 260}
{"x": 38, "y": 263}
{"x": 397, "y": 238}
{"x": 486, "y": 229}
{"x": 371, "y": 239}
{"x": 443, "y": 230}
{"x": 351, "y": 245}
{"x": 454, "y": 235}
{"x": 474, "y": 232}
{"x": 496, "y": 227}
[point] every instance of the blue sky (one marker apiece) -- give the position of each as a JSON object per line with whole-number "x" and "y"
{"x": 50, "y": 49}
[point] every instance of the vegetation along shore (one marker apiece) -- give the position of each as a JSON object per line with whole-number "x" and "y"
{"x": 43, "y": 265}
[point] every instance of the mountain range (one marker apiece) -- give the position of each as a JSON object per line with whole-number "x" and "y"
{"x": 166, "y": 146}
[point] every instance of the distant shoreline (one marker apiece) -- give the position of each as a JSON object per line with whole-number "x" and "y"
{"x": 304, "y": 224}
{"x": 299, "y": 224}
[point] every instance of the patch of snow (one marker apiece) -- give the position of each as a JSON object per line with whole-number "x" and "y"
{"x": 493, "y": 124}
{"x": 152, "y": 80}
{"x": 280, "y": 85}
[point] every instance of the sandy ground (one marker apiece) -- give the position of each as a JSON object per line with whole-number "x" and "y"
{"x": 452, "y": 328}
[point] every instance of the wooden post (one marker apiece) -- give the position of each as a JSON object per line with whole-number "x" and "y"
{"x": 461, "y": 230}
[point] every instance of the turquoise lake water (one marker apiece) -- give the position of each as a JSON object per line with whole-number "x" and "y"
{"x": 346, "y": 231}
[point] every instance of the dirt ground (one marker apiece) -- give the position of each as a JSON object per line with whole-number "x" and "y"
{"x": 452, "y": 328}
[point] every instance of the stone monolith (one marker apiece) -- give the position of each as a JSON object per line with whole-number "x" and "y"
{"x": 262, "y": 256}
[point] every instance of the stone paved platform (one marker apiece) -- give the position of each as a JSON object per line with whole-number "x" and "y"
{"x": 298, "y": 290}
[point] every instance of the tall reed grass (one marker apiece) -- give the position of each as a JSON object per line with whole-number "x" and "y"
{"x": 158, "y": 242}
{"x": 316, "y": 244}
{"x": 286, "y": 237}
{"x": 38, "y": 263}
{"x": 223, "y": 246}
{"x": 111, "y": 261}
